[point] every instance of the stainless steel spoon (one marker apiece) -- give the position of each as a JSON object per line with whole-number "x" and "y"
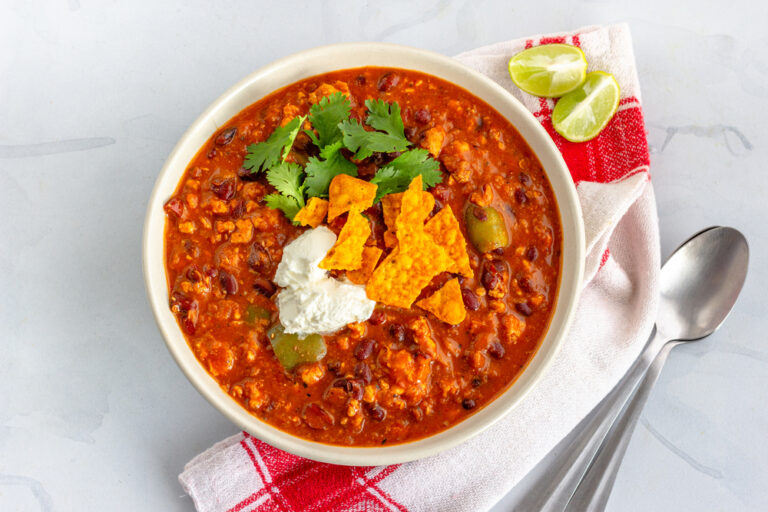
{"x": 722, "y": 249}
{"x": 699, "y": 286}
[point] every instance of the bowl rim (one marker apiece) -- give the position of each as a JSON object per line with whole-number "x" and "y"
{"x": 320, "y": 60}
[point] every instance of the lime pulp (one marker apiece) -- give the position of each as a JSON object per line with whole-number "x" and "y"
{"x": 581, "y": 114}
{"x": 549, "y": 70}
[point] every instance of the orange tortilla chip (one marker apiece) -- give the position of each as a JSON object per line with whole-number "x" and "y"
{"x": 446, "y": 303}
{"x": 313, "y": 213}
{"x": 371, "y": 256}
{"x": 391, "y": 209}
{"x": 347, "y": 252}
{"x": 414, "y": 262}
{"x": 446, "y": 232}
{"x": 347, "y": 192}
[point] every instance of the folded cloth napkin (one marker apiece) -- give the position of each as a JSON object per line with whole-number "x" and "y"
{"x": 614, "y": 317}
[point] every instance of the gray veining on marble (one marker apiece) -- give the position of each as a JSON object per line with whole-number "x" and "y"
{"x": 94, "y": 414}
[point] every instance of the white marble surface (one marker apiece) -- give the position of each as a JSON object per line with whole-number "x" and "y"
{"x": 94, "y": 415}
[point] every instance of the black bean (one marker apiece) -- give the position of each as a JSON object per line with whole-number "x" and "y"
{"x": 411, "y": 133}
{"x": 496, "y": 350}
{"x": 264, "y": 286}
{"x": 468, "y": 404}
{"x": 520, "y": 196}
{"x": 364, "y": 349}
{"x": 490, "y": 279}
{"x": 226, "y": 136}
{"x": 531, "y": 253}
{"x": 471, "y": 302}
{"x": 525, "y": 284}
{"x": 524, "y": 308}
{"x": 377, "y": 412}
{"x": 476, "y": 382}
{"x": 247, "y": 174}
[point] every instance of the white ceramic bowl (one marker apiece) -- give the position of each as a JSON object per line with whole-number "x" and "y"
{"x": 321, "y": 60}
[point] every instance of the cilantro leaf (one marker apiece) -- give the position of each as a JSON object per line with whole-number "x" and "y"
{"x": 364, "y": 143}
{"x": 321, "y": 172}
{"x": 287, "y": 178}
{"x": 288, "y": 205}
{"x": 398, "y": 174}
{"x": 325, "y": 117}
{"x": 264, "y": 155}
{"x": 385, "y": 117}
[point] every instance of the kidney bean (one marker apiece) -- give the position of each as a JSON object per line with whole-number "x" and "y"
{"x": 397, "y": 331}
{"x": 246, "y": 174}
{"x": 524, "y": 308}
{"x": 438, "y": 206}
{"x": 224, "y": 189}
{"x": 496, "y": 350}
{"x": 264, "y": 286}
{"x": 363, "y": 371}
{"x": 525, "y": 180}
{"x": 490, "y": 279}
{"x": 364, "y": 349}
{"x": 520, "y": 196}
{"x": 194, "y": 274}
{"x": 531, "y": 253}
{"x": 357, "y": 386}
{"x": 259, "y": 259}
{"x": 189, "y": 326}
{"x": 422, "y": 116}
{"x": 360, "y": 80}
{"x": 442, "y": 193}
{"x": 228, "y": 282}
{"x": 388, "y": 81}
{"x": 377, "y": 412}
{"x": 175, "y": 206}
{"x": 479, "y": 214}
{"x": 210, "y": 271}
{"x": 211, "y": 153}
{"x": 378, "y": 317}
{"x": 182, "y": 302}
{"x": 476, "y": 382}
{"x": 525, "y": 284}
{"x": 226, "y": 136}
{"x": 471, "y": 302}
{"x": 468, "y": 404}
{"x": 334, "y": 366}
{"x": 412, "y": 134}
{"x": 316, "y": 417}
{"x": 499, "y": 251}
{"x": 344, "y": 384}
{"x": 238, "y": 209}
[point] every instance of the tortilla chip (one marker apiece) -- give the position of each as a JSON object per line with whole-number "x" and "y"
{"x": 371, "y": 256}
{"x": 414, "y": 262}
{"x": 313, "y": 213}
{"x": 446, "y": 303}
{"x": 347, "y": 252}
{"x": 347, "y": 192}
{"x": 390, "y": 205}
{"x": 446, "y": 232}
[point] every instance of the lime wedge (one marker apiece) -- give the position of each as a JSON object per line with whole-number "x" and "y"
{"x": 581, "y": 114}
{"x": 549, "y": 70}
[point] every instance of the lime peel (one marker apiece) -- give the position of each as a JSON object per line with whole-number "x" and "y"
{"x": 582, "y": 114}
{"x": 549, "y": 70}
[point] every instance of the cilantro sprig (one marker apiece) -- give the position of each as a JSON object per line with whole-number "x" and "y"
{"x": 333, "y": 132}
{"x": 264, "y": 155}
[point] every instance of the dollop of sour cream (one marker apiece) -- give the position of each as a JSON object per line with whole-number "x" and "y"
{"x": 311, "y": 301}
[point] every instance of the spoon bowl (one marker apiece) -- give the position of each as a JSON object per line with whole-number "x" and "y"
{"x": 700, "y": 283}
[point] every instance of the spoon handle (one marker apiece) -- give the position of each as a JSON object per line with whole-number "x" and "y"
{"x": 556, "y": 487}
{"x": 594, "y": 490}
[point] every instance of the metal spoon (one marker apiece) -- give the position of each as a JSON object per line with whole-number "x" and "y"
{"x": 699, "y": 286}
{"x": 553, "y": 493}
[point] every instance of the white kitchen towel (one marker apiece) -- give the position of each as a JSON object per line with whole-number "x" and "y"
{"x": 614, "y": 317}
